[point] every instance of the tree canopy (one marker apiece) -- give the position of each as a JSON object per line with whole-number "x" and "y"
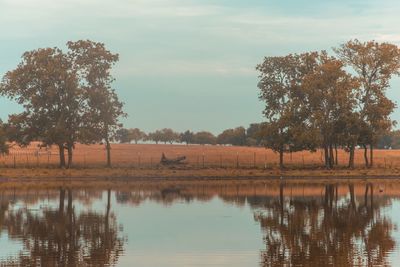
{"x": 316, "y": 100}
{"x": 67, "y": 97}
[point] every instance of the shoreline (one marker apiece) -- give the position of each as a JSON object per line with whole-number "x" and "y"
{"x": 195, "y": 174}
{"x": 123, "y": 178}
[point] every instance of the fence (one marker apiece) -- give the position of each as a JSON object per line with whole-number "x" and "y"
{"x": 148, "y": 156}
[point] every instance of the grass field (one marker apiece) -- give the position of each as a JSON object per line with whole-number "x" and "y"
{"x": 147, "y": 156}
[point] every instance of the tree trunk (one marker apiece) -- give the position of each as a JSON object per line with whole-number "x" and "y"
{"x": 336, "y": 156}
{"x": 351, "y": 157}
{"x": 69, "y": 150}
{"x": 108, "y": 148}
{"x": 371, "y": 155}
{"x": 331, "y": 158}
{"x": 326, "y": 152}
{"x": 62, "y": 156}
{"x": 366, "y": 156}
{"x": 281, "y": 166}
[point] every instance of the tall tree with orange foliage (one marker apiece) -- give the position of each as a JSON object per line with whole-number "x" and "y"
{"x": 92, "y": 63}
{"x": 375, "y": 64}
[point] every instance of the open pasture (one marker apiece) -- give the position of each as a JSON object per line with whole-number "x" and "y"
{"x": 197, "y": 156}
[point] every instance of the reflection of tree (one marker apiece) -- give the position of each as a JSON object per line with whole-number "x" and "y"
{"x": 65, "y": 237}
{"x": 325, "y": 231}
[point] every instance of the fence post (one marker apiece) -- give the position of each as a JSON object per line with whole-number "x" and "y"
{"x": 265, "y": 162}
{"x": 237, "y": 160}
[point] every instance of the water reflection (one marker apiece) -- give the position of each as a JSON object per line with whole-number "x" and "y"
{"x": 326, "y": 231}
{"x": 62, "y": 236}
{"x": 342, "y": 224}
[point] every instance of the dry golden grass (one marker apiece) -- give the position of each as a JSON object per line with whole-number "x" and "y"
{"x": 198, "y": 156}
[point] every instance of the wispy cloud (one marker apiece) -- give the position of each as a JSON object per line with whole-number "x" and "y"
{"x": 181, "y": 68}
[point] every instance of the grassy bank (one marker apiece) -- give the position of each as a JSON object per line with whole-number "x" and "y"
{"x": 189, "y": 173}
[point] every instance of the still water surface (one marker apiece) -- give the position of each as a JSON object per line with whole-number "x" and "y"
{"x": 205, "y": 224}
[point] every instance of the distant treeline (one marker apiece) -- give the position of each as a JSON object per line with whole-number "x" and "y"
{"x": 237, "y": 136}
{"x": 389, "y": 141}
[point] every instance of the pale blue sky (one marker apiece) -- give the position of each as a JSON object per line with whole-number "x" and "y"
{"x": 189, "y": 64}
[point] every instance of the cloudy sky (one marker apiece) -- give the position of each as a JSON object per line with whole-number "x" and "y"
{"x": 190, "y": 64}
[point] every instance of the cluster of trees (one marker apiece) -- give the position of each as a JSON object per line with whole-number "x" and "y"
{"x": 66, "y": 96}
{"x": 390, "y": 140}
{"x": 237, "y": 136}
{"x": 315, "y": 100}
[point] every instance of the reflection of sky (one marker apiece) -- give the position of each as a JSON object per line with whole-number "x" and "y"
{"x": 393, "y": 213}
{"x": 190, "y": 234}
{"x": 8, "y": 247}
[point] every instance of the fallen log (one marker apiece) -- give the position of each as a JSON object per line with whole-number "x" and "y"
{"x": 167, "y": 161}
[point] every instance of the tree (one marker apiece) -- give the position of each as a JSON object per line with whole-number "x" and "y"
{"x": 187, "y": 137}
{"x": 374, "y": 63}
{"x": 204, "y": 138}
{"x": 66, "y": 96}
{"x": 155, "y": 136}
{"x": 235, "y": 137}
{"x": 93, "y": 62}
{"x": 331, "y": 98}
{"x": 4, "y": 147}
{"x": 47, "y": 87}
{"x": 123, "y": 135}
{"x": 254, "y": 134}
{"x": 168, "y": 136}
{"x": 280, "y": 80}
{"x": 136, "y": 135}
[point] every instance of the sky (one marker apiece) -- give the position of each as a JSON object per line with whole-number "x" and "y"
{"x": 190, "y": 64}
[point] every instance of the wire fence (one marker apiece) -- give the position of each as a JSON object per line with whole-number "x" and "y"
{"x": 195, "y": 158}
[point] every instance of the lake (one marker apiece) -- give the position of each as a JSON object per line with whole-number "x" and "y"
{"x": 216, "y": 223}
